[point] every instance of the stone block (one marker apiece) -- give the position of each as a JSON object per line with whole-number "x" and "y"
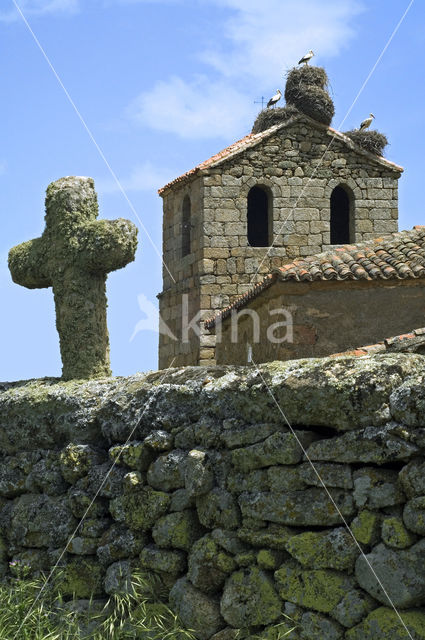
{"x": 397, "y": 571}
{"x": 196, "y": 610}
{"x": 178, "y": 530}
{"x": 250, "y": 599}
{"x": 209, "y": 565}
{"x": 384, "y": 623}
{"x": 297, "y": 508}
{"x": 319, "y": 590}
{"x": 279, "y": 448}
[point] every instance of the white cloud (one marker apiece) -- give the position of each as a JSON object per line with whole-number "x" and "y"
{"x": 144, "y": 177}
{"x": 259, "y": 42}
{"x": 39, "y": 7}
{"x": 265, "y": 37}
{"x": 3, "y": 167}
{"x": 192, "y": 109}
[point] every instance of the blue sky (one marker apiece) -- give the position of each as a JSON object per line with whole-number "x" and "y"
{"x": 162, "y": 85}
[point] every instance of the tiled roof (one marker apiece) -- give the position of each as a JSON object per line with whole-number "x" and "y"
{"x": 413, "y": 342}
{"x": 397, "y": 256}
{"x": 252, "y": 139}
{"x": 224, "y": 154}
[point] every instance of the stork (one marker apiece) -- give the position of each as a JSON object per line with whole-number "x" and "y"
{"x": 277, "y": 96}
{"x": 367, "y": 122}
{"x": 306, "y": 59}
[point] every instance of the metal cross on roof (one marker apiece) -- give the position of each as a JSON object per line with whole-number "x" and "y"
{"x": 262, "y": 102}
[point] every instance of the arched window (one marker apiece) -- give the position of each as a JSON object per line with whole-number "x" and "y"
{"x": 258, "y": 218}
{"x": 342, "y": 223}
{"x": 186, "y": 226}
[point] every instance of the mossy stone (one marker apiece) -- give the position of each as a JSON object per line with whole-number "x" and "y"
{"x": 333, "y": 549}
{"x": 269, "y": 559}
{"x": 274, "y": 536}
{"x": 383, "y": 623}
{"x": 76, "y": 460}
{"x": 250, "y": 599}
{"x": 366, "y": 527}
{"x": 395, "y": 534}
{"x": 178, "y": 530}
{"x": 73, "y": 256}
{"x": 140, "y": 509}
{"x": 163, "y": 560}
{"x": 209, "y": 565}
{"x": 218, "y": 509}
{"x": 81, "y": 578}
{"x": 320, "y": 590}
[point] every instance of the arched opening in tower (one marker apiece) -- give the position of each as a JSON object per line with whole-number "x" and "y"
{"x": 342, "y": 231}
{"x": 186, "y": 226}
{"x": 258, "y": 218}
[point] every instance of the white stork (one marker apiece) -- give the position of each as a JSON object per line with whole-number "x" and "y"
{"x": 277, "y": 96}
{"x": 306, "y": 59}
{"x": 367, "y": 122}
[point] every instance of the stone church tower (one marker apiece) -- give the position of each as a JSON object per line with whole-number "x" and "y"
{"x": 293, "y": 188}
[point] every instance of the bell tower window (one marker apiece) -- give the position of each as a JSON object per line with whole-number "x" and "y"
{"x": 342, "y": 218}
{"x": 259, "y": 208}
{"x": 186, "y": 227}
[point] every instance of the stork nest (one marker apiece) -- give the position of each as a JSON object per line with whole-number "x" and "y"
{"x": 269, "y": 117}
{"x": 306, "y": 90}
{"x": 306, "y": 75}
{"x": 371, "y": 141}
{"x": 313, "y": 101}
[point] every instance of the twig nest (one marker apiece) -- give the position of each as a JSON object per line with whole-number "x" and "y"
{"x": 371, "y": 141}
{"x": 306, "y": 90}
{"x": 269, "y": 117}
{"x": 306, "y": 76}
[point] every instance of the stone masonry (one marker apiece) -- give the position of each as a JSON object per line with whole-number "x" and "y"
{"x": 298, "y": 163}
{"x": 214, "y": 496}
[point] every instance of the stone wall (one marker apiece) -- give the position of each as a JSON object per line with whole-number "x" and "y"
{"x": 327, "y": 317}
{"x": 299, "y": 165}
{"x": 214, "y": 494}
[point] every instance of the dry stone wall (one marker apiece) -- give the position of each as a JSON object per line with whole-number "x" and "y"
{"x": 214, "y": 494}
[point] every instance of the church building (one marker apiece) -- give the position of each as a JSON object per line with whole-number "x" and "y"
{"x": 238, "y": 228}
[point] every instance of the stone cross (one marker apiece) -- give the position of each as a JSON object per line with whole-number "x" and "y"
{"x": 73, "y": 256}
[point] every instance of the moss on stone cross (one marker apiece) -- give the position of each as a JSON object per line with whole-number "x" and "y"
{"x": 73, "y": 256}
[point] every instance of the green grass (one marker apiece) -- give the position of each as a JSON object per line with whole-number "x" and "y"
{"x": 139, "y": 615}
{"x": 142, "y": 614}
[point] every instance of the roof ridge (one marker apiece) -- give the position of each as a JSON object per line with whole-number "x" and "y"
{"x": 253, "y": 138}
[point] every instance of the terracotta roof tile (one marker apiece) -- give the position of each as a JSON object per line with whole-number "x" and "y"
{"x": 398, "y": 256}
{"x": 412, "y": 342}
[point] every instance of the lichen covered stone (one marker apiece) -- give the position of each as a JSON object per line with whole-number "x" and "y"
{"x": 40, "y": 521}
{"x": 163, "y": 560}
{"x": 398, "y": 575}
{"x": 197, "y": 610}
{"x": 250, "y": 598}
{"x": 384, "y": 623}
{"x": 218, "y": 509}
{"x": 334, "y": 549}
{"x": 167, "y": 472}
{"x": 395, "y": 534}
{"x": 140, "y": 509}
{"x": 73, "y": 256}
{"x": 298, "y": 508}
{"x": 81, "y": 578}
{"x": 209, "y": 565}
{"x": 320, "y": 590}
{"x": 178, "y": 530}
{"x": 76, "y": 460}
{"x": 279, "y": 448}
{"x": 366, "y": 527}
